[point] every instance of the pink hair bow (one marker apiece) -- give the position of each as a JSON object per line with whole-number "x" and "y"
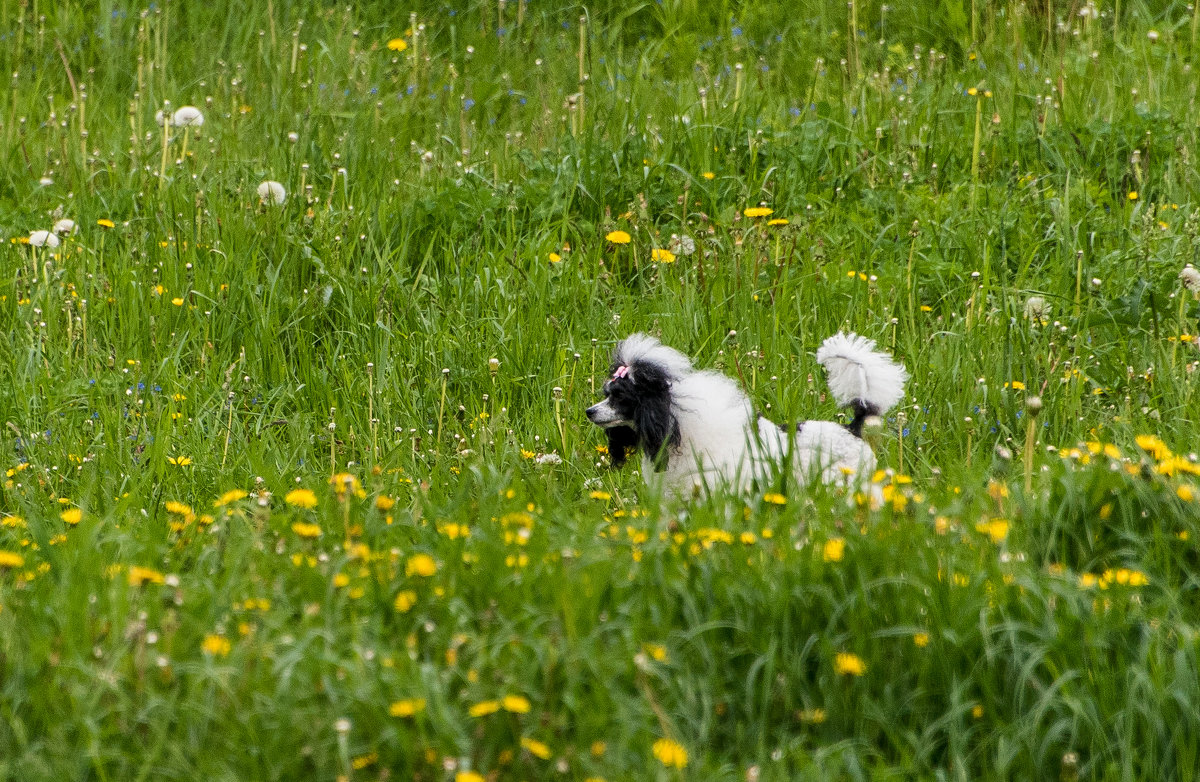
{"x": 621, "y": 371}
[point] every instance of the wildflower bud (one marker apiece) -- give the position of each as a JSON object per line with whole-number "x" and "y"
{"x": 1003, "y": 453}
{"x": 493, "y": 366}
{"x": 1033, "y": 405}
{"x": 1069, "y": 769}
{"x": 557, "y": 392}
{"x": 872, "y": 425}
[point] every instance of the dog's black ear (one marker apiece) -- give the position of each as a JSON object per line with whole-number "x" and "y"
{"x": 657, "y": 427}
{"x": 621, "y": 440}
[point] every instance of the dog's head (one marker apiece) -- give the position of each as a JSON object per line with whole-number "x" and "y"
{"x": 637, "y": 410}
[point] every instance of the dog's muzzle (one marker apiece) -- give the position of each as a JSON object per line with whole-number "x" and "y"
{"x": 602, "y": 414}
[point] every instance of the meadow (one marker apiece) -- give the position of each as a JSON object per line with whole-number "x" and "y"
{"x": 299, "y": 486}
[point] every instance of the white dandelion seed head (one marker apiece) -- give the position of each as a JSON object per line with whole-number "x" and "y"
{"x": 1037, "y": 309}
{"x": 187, "y": 116}
{"x": 271, "y": 192}
{"x": 43, "y": 239}
{"x": 1190, "y": 278}
{"x": 65, "y": 226}
{"x": 682, "y": 245}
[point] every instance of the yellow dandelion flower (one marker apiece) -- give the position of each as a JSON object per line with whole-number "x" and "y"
{"x": 833, "y": 550}
{"x": 484, "y": 708}
{"x": 758, "y": 211}
{"x": 600, "y": 495}
{"x": 72, "y": 516}
{"x": 778, "y": 221}
{"x": 420, "y": 565}
{"x": 384, "y": 502}
{"x": 618, "y": 237}
{"x": 662, "y": 256}
{"x": 977, "y": 711}
{"x": 140, "y": 576}
{"x": 216, "y": 645}
{"x": 233, "y": 495}
{"x": 1152, "y": 445}
{"x": 469, "y": 776}
{"x": 921, "y": 639}
{"x": 301, "y": 498}
{"x": 1015, "y": 385}
{"x": 397, "y": 44}
{"x": 407, "y": 707}
{"x": 306, "y": 530}
{"x": 516, "y": 704}
{"x": 657, "y": 652}
{"x": 179, "y": 461}
{"x": 670, "y": 753}
{"x": 104, "y": 222}
{"x": 849, "y": 664}
{"x": 1185, "y": 493}
{"x": 1133, "y": 195}
{"x": 709, "y": 175}
{"x": 344, "y": 482}
{"x": 555, "y": 257}
{"x": 11, "y": 559}
{"x": 177, "y": 301}
{"x": 405, "y": 600}
{"x": 535, "y": 747}
{"x": 995, "y": 529}
{"x": 774, "y": 498}
{"x": 972, "y": 91}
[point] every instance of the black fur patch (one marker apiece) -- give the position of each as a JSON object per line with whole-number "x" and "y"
{"x": 862, "y": 411}
{"x": 644, "y": 398}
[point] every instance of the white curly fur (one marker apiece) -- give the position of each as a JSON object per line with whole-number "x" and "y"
{"x": 723, "y": 442}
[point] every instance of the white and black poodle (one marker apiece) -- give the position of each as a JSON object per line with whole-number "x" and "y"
{"x": 697, "y": 430}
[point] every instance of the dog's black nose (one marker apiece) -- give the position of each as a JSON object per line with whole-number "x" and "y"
{"x": 591, "y": 414}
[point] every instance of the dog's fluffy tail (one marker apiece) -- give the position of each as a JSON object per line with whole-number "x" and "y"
{"x": 861, "y": 377}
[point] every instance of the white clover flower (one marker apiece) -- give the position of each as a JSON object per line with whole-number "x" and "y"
{"x": 43, "y": 239}
{"x": 187, "y": 116}
{"x": 65, "y": 226}
{"x": 1190, "y": 279}
{"x": 271, "y": 192}
{"x": 45, "y": 181}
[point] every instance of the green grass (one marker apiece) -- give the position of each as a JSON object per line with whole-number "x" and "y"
{"x": 1023, "y": 605}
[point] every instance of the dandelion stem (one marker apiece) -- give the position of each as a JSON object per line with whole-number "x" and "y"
{"x": 442, "y": 405}
{"x": 582, "y": 60}
{"x": 162, "y": 171}
{"x": 1030, "y": 436}
{"x": 975, "y": 145}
